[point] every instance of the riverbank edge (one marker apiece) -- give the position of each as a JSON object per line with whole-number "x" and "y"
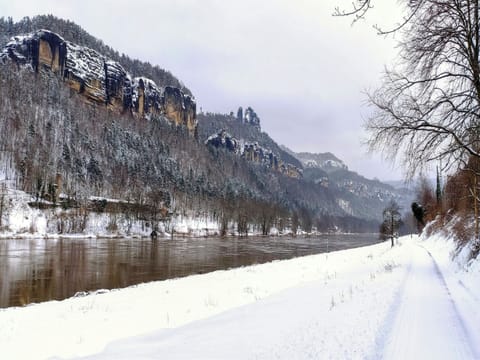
{"x": 165, "y": 236}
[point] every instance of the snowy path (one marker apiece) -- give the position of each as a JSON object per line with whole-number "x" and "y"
{"x": 375, "y": 302}
{"x": 404, "y": 312}
{"x": 426, "y": 322}
{"x": 337, "y": 317}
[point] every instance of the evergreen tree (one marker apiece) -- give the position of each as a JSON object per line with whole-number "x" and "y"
{"x": 439, "y": 189}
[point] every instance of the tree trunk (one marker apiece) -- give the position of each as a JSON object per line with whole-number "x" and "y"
{"x": 475, "y": 204}
{"x": 392, "y": 227}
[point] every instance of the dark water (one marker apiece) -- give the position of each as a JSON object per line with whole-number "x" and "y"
{"x": 41, "y": 269}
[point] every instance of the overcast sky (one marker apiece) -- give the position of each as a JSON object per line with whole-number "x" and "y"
{"x": 303, "y": 71}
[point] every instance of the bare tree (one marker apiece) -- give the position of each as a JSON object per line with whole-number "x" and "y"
{"x": 357, "y": 9}
{"x": 428, "y": 106}
{"x": 3, "y": 202}
{"x": 392, "y": 220}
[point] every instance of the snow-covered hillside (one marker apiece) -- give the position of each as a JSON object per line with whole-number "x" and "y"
{"x": 325, "y": 161}
{"x": 410, "y": 301}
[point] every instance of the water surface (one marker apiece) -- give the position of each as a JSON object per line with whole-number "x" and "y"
{"x": 36, "y": 270}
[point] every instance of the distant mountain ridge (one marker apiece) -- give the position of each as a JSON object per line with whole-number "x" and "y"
{"x": 326, "y": 161}
{"x": 354, "y": 194}
{"x": 330, "y": 171}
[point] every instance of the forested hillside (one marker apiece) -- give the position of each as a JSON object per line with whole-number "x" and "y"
{"x": 353, "y": 193}
{"x": 74, "y": 33}
{"x": 64, "y": 150}
{"x": 210, "y": 123}
{"x": 56, "y": 140}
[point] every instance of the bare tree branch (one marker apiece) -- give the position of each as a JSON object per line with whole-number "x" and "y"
{"x": 428, "y": 108}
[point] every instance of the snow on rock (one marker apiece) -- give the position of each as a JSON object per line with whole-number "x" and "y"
{"x": 99, "y": 79}
{"x": 334, "y": 164}
{"x": 325, "y": 161}
{"x": 311, "y": 163}
{"x": 147, "y": 96}
{"x": 251, "y": 117}
{"x": 224, "y": 140}
{"x": 252, "y": 152}
{"x": 86, "y": 67}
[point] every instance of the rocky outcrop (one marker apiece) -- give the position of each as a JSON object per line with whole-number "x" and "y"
{"x": 118, "y": 86}
{"x": 99, "y": 79}
{"x": 84, "y": 71}
{"x": 240, "y": 114}
{"x": 325, "y": 161}
{"x": 291, "y": 171}
{"x": 224, "y": 140}
{"x": 179, "y": 108}
{"x": 253, "y": 152}
{"x": 249, "y": 117}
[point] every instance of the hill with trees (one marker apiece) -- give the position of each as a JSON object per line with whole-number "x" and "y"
{"x": 69, "y": 154}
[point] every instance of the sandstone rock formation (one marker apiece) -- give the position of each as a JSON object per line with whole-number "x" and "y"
{"x": 240, "y": 114}
{"x": 99, "y": 79}
{"x": 224, "y": 140}
{"x": 251, "y": 117}
{"x": 253, "y": 152}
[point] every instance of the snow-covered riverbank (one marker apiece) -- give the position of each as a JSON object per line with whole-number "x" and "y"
{"x": 337, "y": 305}
{"x": 23, "y": 221}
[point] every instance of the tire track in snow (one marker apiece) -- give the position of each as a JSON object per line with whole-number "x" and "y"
{"x": 468, "y": 338}
{"x": 386, "y": 327}
{"x": 424, "y": 322}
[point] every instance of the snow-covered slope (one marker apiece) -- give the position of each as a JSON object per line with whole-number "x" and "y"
{"x": 252, "y": 152}
{"x": 346, "y": 304}
{"x": 325, "y": 161}
{"x": 358, "y": 193}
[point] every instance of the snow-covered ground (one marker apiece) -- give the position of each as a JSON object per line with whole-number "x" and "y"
{"x": 410, "y": 301}
{"x": 23, "y": 221}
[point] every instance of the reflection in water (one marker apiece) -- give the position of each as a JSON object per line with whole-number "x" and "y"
{"x": 41, "y": 269}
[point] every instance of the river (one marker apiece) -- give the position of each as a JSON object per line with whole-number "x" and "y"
{"x": 37, "y": 270}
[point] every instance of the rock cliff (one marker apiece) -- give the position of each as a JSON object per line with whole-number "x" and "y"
{"x": 253, "y": 152}
{"x": 99, "y": 79}
{"x": 250, "y": 117}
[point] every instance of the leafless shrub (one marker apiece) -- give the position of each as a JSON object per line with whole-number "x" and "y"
{"x": 463, "y": 231}
{"x": 112, "y": 224}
